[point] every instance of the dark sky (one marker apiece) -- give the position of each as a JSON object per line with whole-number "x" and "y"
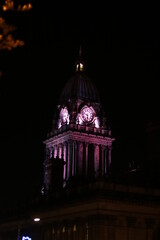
{"x": 120, "y": 45}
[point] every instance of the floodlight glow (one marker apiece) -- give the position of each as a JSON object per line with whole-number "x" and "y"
{"x": 36, "y": 219}
{"x": 26, "y": 238}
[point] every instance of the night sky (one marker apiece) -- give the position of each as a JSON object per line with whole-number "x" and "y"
{"x": 121, "y": 47}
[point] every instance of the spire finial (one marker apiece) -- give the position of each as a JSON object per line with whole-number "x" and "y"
{"x": 79, "y": 63}
{"x": 80, "y": 51}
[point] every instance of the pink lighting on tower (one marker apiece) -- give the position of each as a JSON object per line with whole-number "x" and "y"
{"x": 80, "y": 138}
{"x": 97, "y": 122}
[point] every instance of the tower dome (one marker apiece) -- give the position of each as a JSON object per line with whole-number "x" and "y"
{"x": 80, "y": 85}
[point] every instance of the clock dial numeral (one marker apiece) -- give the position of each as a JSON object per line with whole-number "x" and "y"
{"x": 87, "y": 114}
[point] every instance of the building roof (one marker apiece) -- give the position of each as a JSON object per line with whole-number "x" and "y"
{"x": 80, "y": 87}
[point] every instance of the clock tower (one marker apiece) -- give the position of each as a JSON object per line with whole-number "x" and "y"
{"x": 80, "y": 198}
{"x": 78, "y": 147}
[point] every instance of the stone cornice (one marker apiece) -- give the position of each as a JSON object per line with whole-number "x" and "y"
{"x": 79, "y": 136}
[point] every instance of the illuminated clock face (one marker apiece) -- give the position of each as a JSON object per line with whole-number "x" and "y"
{"x": 87, "y": 114}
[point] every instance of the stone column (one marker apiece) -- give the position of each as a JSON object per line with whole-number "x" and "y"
{"x": 96, "y": 159}
{"x": 73, "y": 159}
{"x": 69, "y": 162}
{"x": 75, "y": 156}
{"x": 50, "y": 152}
{"x": 47, "y": 153}
{"x": 102, "y": 160}
{"x": 60, "y": 151}
{"x": 80, "y": 157}
{"x": 105, "y": 161}
{"x": 86, "y": 159}
{"x": 109, "y": 159}
{"x": 55, "y": 151}
{"x": 65, "y": 159}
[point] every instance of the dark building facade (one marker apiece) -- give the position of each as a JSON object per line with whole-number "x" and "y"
{"x": 80, "y": 199}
